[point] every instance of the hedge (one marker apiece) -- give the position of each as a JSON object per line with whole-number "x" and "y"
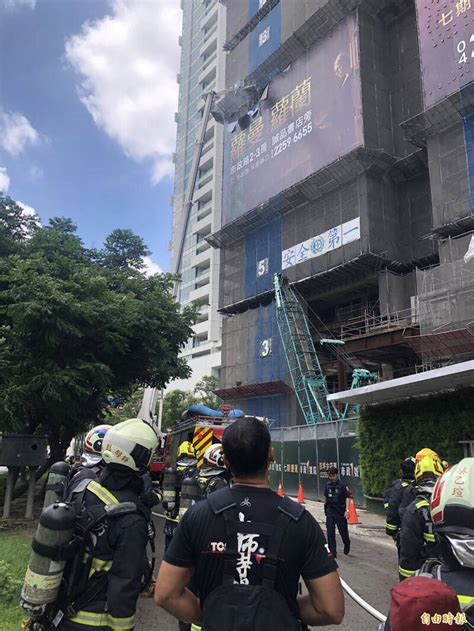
{"x": 389, "y": 433}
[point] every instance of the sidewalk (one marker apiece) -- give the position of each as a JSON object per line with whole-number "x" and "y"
{"x": 371, "y": 525}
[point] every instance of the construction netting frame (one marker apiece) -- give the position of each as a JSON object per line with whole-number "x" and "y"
{"x": 305, "y": 453}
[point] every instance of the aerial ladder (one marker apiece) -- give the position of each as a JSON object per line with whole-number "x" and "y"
{"x": 309, "y": 381}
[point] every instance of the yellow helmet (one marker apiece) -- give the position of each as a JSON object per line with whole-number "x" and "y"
{"x": 186, "y": 449}
{"x": 131, "y": 444}
{"x": 428, "y": 467}
{"x": 426, "y": 452}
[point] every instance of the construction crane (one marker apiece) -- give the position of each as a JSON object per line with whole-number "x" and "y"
{"x": 309, "y": 381}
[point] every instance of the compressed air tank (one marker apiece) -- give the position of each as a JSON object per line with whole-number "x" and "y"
{"x": 190, "y": 494}
{"x": 170, "y": 484}
{"x": 56, "y": 484}
{"x": 45, "y": 569}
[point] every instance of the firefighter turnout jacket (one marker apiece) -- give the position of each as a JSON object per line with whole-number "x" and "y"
{"x": 392, "y": 500}
{"x": 417, "y": 539}
{"x": 116, "y": 562}
{"x": 211, "y": 483}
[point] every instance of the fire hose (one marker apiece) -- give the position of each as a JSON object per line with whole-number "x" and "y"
{"x": 360, "y": 601}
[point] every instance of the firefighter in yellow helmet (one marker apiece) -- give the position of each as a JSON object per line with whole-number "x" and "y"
{"x": 186, "y": 467}
{"x": 115, "y": 562}
{"x": 409, "y": 492}
{"x": 417, "y": 539}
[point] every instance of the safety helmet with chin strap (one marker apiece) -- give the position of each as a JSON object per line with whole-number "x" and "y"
{"x": 91, "y": 454}
{"x": 130, "y": 444}
{"x": 452, "y": 510}
{"x": 213, "y": 457}
{"x": 428, "y": 468}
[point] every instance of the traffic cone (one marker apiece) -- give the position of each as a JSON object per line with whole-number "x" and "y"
{"x": 280, "y": 489}
{"x": 352, "y": 513}
{"x": 300, "y": 494}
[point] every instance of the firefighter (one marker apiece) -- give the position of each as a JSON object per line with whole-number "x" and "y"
{"x": 91, "y": 463}
{"x": 116, "y": 560}
{"x": 417, "y": 539}
{"x": 213, "y": 474}
{"x": 452, "y": 514}
{"x": 409, "y": 493}
{"x": 336, "y": 509}
{"x": 186, "y": 467}
{"x": 393, "y": 498}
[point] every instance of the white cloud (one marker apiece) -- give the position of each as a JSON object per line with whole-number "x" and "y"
{"x": 28, "y": 211}
{"x": 35, "y": 173}
{"x": 151, "y": 267}
{"x": 127, "y": 63}
{"x": 16, "y": 133}
{"x": 11, "y": 5}
{"x": 4, "y": 180}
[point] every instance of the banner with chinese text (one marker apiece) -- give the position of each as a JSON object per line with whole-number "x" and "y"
{"x": 446, "y": 35}
{"x": 321, "y": 244}
{"x": 311, "y": 117}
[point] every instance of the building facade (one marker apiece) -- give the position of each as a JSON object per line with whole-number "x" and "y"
{"x": 201, "y": 70}
{"x": 352, "y": 174}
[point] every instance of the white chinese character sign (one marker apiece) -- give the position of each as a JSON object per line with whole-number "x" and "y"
{"x": 332, "y": 239}
{"x": 446, "y": 35}
{"x": 312, "y": 116}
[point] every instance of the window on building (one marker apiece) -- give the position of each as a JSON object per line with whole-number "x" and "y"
{"x": 261, "y": 3}
{"x": 264, "y": 36}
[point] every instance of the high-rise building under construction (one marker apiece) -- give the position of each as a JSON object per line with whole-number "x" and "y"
{"x": 348, "y": 168}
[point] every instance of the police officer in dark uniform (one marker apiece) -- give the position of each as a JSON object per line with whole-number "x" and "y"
{"x": 393, "y": 498}
{"x": 336, "y": 508}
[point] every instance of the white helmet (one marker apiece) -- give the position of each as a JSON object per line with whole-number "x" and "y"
{"x": 91, "y": 454}
{"x": 213, "y": 457}
{"x": 452, "y": 510}
{"x": 131, "y": 444}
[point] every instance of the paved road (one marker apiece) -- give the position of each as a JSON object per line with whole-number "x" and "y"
{"x": 370, "y": 569}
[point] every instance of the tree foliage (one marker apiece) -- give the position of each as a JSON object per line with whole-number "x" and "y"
{"x": 204, "y": 390}
{"x": 76, "y": 324}
{"x": 174, "y": 404}
{"x": 177, "y": 401}
{"x": 389, "y": 433}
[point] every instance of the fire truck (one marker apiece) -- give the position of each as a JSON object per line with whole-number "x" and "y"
{"x": 202, "y": 427}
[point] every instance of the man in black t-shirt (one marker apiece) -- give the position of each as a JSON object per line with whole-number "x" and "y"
{"x": 200, "y": 543}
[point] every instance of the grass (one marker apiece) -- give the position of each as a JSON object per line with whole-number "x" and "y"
{"x": 15, "y": 551}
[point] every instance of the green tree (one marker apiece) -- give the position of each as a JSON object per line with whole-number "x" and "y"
{"x": 129, "y": 409}
{"x": 175, "y": 403}
{"x": 124, "y": 250}
{"x": 204, "y": 390}
{"x": 16, "y": 227}
{"x": 71, "y": 331}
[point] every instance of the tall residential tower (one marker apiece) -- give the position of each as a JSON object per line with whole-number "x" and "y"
{"x": 201, "y": 70}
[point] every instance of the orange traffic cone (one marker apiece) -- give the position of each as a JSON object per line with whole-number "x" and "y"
{"x": 352, "y": 513}
{"x": 280, "y": 489}
{"x": 300, "y": 494}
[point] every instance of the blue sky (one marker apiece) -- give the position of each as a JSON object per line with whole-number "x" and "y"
{"x": 87, "y": 99}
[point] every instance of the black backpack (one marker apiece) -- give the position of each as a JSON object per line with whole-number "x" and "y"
{"x": 236, "y": 607}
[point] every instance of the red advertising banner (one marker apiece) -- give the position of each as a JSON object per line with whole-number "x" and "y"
{"x": 311, "y": 117}
{"x": 446, "y": 35}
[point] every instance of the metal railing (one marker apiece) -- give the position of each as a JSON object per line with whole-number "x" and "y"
{"x": 384, "y": 321}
